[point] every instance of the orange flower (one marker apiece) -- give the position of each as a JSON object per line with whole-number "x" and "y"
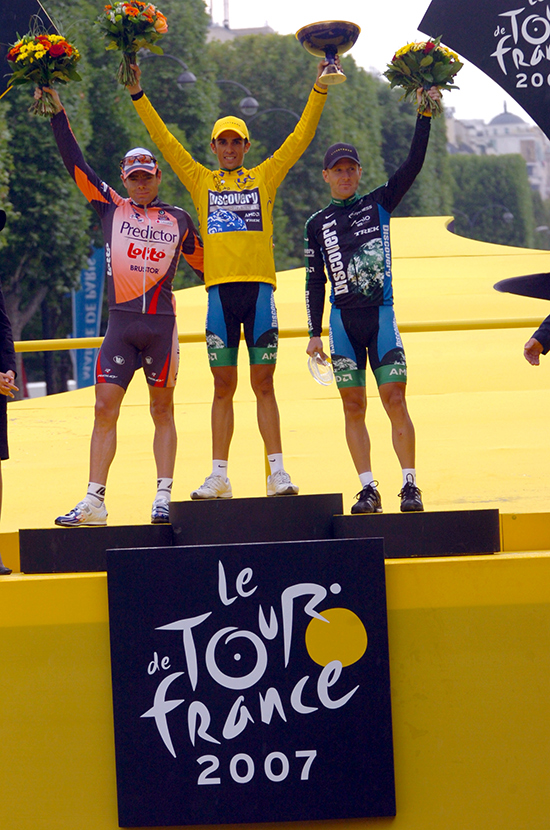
{"x": 13, "y": 52}
{"x": 161, "y": 25}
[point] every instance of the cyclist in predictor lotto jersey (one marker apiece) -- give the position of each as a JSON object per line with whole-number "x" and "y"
{"x": 235, "y": 209}
{"x": 144, "y": 238}
{"x": 350, "y": 241}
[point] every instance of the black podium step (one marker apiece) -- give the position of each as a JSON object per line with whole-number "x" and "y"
{"x": 275, "y": 519}
{"x": 82, "y": 549}
{"x": 444, "y": 533}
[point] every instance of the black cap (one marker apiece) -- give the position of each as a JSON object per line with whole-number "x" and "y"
{"x": 340, "y": 151}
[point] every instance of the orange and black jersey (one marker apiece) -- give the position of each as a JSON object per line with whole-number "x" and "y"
{"x": 142, "y": 243}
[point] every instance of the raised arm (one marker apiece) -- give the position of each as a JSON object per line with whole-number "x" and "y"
{"x": 89, "y": 183}
{"x": 180, "y": 160}
{"x": 277, "y": 166}
{"x": 390, "y": 194}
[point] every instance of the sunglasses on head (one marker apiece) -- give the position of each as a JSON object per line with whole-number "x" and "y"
{"x": 130, "y": 161}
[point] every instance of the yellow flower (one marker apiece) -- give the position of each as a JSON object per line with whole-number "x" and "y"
{"x": 449, "y": 53}
{"x": 404, "y": 49}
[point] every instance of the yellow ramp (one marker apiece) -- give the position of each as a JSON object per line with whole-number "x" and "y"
{"x": 469, "y": 637}
{"x": 478, "y": 407}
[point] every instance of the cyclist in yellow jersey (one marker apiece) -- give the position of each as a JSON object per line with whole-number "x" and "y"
{"x": 235, "y": 210}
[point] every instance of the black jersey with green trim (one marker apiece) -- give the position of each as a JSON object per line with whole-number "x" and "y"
{"x": 143, "y": 243}
{"x": 350, "y": 241}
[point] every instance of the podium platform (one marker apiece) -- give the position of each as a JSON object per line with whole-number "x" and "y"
{"x": 241, "y": 521}
{"x": 441, "y": 533}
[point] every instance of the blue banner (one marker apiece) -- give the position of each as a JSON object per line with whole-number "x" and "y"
{"x": 87, "y": 303}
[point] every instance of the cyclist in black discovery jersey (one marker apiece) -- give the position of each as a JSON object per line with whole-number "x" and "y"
{"x": 350, "y": 241}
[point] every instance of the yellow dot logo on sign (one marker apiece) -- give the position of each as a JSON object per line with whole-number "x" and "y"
{"x": 342, "y": 638}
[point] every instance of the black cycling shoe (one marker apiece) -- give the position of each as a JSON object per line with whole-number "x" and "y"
{"x": 368, "y": 500}
{"x": 410, "y": 497}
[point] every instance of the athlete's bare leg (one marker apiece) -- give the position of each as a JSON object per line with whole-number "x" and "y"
{"x": 354, "y": 400}
{"x": 261, "y": 378}
{"x": 108, "y": 398}
{"x": 402, "y": 429}
{"x": 225, "y": 384}
{"x": 165, "y": 442}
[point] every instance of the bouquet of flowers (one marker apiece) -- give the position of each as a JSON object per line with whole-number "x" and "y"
{"x": 421, "y": 66}
{"x": 43, "y": 59}
{"x": 129, "y": 26}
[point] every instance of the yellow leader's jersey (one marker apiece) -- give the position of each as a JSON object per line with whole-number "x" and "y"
{"x": 235, "y": 208}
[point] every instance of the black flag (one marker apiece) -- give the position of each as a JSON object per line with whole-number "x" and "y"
{"x": 507, "y": 40}
{"x": 16, "y": 19}
{"x": 532, "y": 285}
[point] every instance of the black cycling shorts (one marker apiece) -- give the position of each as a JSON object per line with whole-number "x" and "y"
{"x": 133, "y": 340}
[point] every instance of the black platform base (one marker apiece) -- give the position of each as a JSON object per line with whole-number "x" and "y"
{"x": 445, "y": 533}
{"x": 82, "y": 549}
{"x": 277, "y": 519}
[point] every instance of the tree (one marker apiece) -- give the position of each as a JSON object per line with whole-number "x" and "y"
{"x": 46, "y": 239}
{"x": 492, "y": 199}
{"x": 541, "y": 212}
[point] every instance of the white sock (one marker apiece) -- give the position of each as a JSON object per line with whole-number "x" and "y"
{"x": 95, "y": 494}
{"x": 367, "y": 478}
{"x": 275, "y": 462}
{"x": 409, "y": 471}
{"x": 164, "y": 489}
{"x": 219, "y": 467}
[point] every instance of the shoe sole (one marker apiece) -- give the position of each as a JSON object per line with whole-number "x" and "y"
{"x": 365, "y": 512}
{"x": 412, "y": 509}
{"x": 160, "y": 521}
{"x": 195, "y": 497}
{"x": 81, "y": 524}
{"x": 288, "y": 492}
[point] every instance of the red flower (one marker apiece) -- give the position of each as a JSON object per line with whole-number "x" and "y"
{"x": 57, "y": 49}
{"x": 428, "y": 47}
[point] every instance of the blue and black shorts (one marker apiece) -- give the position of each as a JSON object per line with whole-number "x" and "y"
{"x": 358, "y": 332}
{"x": 250, "y": 304}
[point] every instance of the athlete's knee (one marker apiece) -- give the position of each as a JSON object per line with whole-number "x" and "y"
{"x": 355, "y": 404}
{"x": 261, "y": 380}
{"x": 162, "y": 410}
{"x": 393, "y": 399}
{"x": 107, "y": 408}
{"x": 225, "y": 381}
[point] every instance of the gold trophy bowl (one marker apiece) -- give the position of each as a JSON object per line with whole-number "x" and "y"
{"x": 328, "y": 39}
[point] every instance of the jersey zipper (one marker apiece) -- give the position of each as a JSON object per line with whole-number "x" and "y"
{"x": 143, "y": 302}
